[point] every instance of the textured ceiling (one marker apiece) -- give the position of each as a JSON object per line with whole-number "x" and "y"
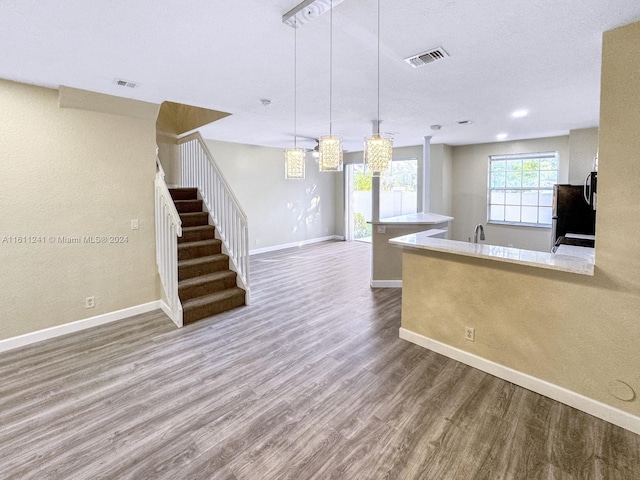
{"x": 539, "y": 55}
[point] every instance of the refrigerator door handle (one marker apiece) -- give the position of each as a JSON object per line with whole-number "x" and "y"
{"x": 587, "y": 187}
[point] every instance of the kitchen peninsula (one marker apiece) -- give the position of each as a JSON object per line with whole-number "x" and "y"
{"x": 386, "y": 265}
{"x": 422, "y": 241}
{"x": 571, "y": 337}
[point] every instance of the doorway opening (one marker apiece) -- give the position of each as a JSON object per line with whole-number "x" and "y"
{"x": 398, "y": 196}
{"x": 358, "y": 203}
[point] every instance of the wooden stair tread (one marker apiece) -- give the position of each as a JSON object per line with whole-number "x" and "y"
{"x": 212, "y": 298}
{"x": 188, "y": 282}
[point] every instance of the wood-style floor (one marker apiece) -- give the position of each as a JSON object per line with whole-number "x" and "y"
{"x": 310, "y": 381}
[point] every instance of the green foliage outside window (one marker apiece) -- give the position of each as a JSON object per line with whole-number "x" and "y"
{"x": 361, "y": 229}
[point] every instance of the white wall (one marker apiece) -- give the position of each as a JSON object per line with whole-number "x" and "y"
{"x": 470, "y": 163}
{"x": 70, "y": 173}
{"x": 279, "y": 211}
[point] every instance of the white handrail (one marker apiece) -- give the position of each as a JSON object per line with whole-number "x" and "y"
{"x": 168, "y": 229}
{"x": 199, "y": 170}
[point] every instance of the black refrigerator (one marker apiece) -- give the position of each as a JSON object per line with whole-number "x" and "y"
{"x": 573, "y": 210}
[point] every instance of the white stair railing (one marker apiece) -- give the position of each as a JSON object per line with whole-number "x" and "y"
{"x": 198, "y": 169}
{"x": 168, "y": 229}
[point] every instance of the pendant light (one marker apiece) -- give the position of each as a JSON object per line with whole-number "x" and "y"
{"x": 294, "y": 157}
{"x": 378, "y": 148}
{"x": 330, "y": 159}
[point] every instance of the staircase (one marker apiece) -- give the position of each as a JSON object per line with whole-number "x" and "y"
{"x": 206, "y": 286}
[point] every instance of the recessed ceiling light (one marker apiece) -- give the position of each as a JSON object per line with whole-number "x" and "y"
{"x": 436, "y": 127}
{"x": 265, "y": 101}
{"x": 501, "y": 136}
{"x": 520, "y": 113}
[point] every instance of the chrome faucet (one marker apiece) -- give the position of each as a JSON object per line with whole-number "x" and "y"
{"x": 479, "y": 228}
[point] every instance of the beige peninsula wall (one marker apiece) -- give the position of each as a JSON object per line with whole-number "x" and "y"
{"x": 575, "y": 332}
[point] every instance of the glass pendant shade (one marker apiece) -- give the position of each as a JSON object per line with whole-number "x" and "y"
{"x": 294, "y": 163}
{"x": 378, "y": 152}
{"x": 330, "y": 153}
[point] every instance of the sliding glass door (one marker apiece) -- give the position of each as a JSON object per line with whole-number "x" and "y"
{"x": 358, "y": 203}
{"x": 398, "y": 196}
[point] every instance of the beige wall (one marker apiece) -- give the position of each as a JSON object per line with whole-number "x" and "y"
{"x": 578, "y": 332}
{"x": 441, "y": 180}
{"x": 583, "y": 145}
{"x": 67, "y": 172}
{"x": 279, "y": 211}
{"x": 469, "y": 184}
{"x": 470, "y": 163}
{"x": 169, "y": 155}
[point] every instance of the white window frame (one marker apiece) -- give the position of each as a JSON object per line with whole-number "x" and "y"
{"x": 548, "y": 189}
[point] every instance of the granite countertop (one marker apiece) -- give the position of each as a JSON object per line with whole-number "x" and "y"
{"x": 551, "y": 261}
{"x": 414, "y": 219}
{"x": 574, "y": 251}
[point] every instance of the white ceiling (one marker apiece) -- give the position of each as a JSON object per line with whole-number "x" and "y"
{"x": 539, "y": 55}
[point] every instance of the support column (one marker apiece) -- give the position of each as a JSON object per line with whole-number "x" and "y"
{"x": 375, "y": 183}
{"x": 426, "y": 175}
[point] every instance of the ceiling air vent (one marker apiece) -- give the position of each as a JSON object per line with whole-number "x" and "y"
{"x": 427, "y": 57}
{"x": 125, "y": 83}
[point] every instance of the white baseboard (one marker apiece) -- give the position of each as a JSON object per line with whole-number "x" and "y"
{"x": 58, "y": 330}
{"x": 294, "y": 244}
{"x": 386, "y": 283}
{"x": 555, "y": 392}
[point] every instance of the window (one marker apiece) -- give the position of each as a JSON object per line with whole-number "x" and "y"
{"x": 521, "y": 188}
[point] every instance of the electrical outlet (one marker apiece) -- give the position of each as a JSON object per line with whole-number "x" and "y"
{"x": 469, "y": 334}
{"x": 89, "y": 302}
{"x": 134, "y": 224}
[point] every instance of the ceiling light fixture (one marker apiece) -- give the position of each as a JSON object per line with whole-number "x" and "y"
{"x": 294, "y": 157}
{"x": 330, "y": 145}
{"x": 307, "y": 11}
{"x": 378, "y": 148}
{"x": 501, "y": 136}
{"x": 520, "y": 114}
